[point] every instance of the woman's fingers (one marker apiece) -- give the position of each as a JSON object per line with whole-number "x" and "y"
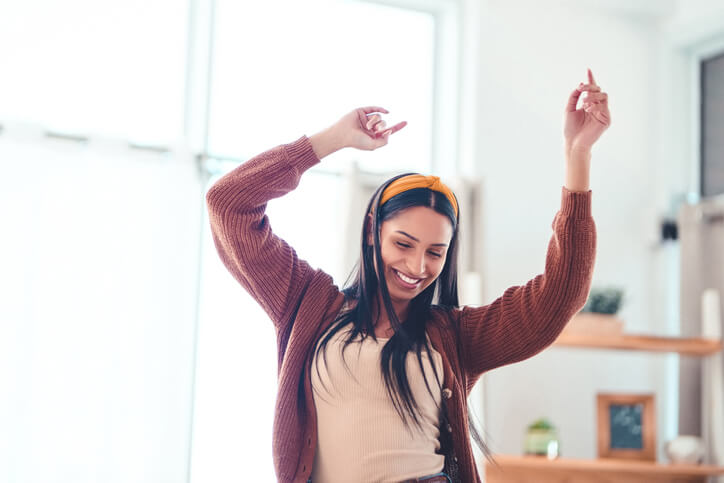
{"x": 595, "y": 98}
{"x": 573, "y": 100}
{"x": 589, "y": 87}
{"x": 590, "y": 77}
{"x": 397, "y": 127}
{"x": 371, "y": 109}
{"x": 593, "y": 95}
{"x": 372, "y": 120}
{"x": 375, "y": 124}
{"x": 393, "y": 129}
{"x": 365, "y": 114}
{"x": 599, "y": 111}
{"x": 601, "y": 115}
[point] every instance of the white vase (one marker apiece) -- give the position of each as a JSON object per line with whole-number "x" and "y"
{"x": 685, "y": 450}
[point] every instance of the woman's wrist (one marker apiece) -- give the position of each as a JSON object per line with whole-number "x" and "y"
{"x": 577, "y": 150}
{"x": 326, "y": 142}
{"x": 578, "y": 167}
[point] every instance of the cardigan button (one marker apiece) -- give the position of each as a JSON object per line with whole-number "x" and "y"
{"x": 447, "y": 393}
{"x": 449, "y": 428}
{"x": 455, "y": 459}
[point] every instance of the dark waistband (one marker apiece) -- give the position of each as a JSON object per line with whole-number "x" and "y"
{"x": 438, "y": 478}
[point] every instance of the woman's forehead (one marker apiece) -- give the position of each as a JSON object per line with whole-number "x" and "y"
{"x": 421, "y": 222}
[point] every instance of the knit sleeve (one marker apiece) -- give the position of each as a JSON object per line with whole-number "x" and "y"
{"x": 526, "y": 319}
{"x": 264, "y": 264}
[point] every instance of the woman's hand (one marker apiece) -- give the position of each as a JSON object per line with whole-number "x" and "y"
{"x": 362, "y": 128}
{"x": 583, "y": 126}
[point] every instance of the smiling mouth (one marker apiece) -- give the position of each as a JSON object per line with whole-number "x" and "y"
{"x": 407, "y": 281}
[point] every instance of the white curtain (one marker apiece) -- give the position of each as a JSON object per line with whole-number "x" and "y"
{"x": 702, "y": 282}
{"x": 712, "y": 382}
{"x": 98, "y": 283}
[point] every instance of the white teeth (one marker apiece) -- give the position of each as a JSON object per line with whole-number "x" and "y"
{"x": 407, "y": 279}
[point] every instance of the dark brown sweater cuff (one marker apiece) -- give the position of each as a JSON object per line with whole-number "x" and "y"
{"x": 300, "y": 155}
{"x": 576, "y": 204}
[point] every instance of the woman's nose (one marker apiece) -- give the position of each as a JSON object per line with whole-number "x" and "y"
{"x": 417, "y": 265}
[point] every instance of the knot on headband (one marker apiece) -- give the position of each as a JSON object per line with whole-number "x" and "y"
{"x": 413, "y": 181}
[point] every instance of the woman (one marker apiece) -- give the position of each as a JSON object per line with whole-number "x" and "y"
{"x": 395, "y": 407}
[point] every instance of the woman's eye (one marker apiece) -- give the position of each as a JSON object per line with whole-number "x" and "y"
{"x": 405, "y": 245}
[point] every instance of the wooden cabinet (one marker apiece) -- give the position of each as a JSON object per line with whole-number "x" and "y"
{"x": 539, "y": 469}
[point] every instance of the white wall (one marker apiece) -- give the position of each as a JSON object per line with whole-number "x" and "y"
{"x": 531, "y": 58}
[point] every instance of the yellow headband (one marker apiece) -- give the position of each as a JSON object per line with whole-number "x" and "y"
{"x": 418, "y": 181}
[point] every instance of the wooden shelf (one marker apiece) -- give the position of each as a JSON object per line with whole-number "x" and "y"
{"x": 512, "y": 468}
{"x": 685, "y": 346}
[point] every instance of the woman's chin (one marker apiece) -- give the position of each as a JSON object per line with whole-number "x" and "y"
{"x": 403, "y": 294}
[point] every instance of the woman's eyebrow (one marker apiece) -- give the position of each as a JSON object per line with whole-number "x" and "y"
{"x": 410, "y": 236}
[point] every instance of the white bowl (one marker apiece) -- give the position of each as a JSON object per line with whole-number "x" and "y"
{"x": 685, "y": 450}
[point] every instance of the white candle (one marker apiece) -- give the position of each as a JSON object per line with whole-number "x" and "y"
{"x": 710, "y": 314}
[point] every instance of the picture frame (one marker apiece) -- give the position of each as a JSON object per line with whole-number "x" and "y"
{"x": 626, "y": 426}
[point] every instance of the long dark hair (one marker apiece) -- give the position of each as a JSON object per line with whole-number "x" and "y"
{"x": 363, "y": 286}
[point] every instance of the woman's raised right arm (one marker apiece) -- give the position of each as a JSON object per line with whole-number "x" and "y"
{"x": 264, "y": 264}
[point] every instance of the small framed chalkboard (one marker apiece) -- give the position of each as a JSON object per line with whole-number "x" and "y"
{"x": 626, "y": 426}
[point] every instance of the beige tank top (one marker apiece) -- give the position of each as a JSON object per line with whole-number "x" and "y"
{"x": 360, "y": 436}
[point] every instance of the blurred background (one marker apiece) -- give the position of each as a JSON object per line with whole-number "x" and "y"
{"x": 129, "y": 354}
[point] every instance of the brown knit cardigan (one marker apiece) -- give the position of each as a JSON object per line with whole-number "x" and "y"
{"x": 302, "y": 302}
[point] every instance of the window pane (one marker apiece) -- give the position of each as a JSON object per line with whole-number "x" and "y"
{"x": 115, "y": 68}
{"x": 286, "y": 68}
{"x": 712, "y": 125}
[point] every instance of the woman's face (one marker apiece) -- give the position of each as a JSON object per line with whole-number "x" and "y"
{"x": 414, "y": 247}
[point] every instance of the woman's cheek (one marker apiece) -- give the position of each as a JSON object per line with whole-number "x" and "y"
{"x": 439, "y": 266}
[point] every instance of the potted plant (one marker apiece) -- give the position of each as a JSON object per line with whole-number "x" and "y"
{"x": 598, "y": 316}
{"x": 604, "y": 301}
{"x": 541, "y": 439}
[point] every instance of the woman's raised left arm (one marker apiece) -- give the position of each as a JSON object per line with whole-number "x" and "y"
{"x": 528, "y": 318}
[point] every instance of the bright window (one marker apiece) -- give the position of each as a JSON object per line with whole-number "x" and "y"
{"x": 95, "y": 67}
{"x": 280, "y": 70}
{"x": 286, "y": 68}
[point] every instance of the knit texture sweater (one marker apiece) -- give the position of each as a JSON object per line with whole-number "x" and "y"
{"x": 302, "y": 302}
